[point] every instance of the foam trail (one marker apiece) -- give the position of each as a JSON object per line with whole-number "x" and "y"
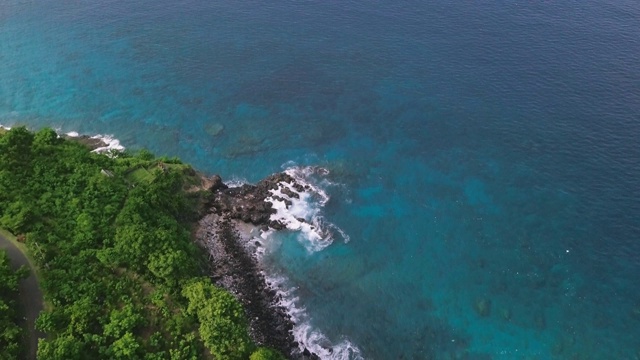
{"x": 302, "y": 210}
{"x": 235, "y": 182}
{"x": 304, "y": 333}
{"x": 113, "y": 144}
{"x": 111, "y": 148}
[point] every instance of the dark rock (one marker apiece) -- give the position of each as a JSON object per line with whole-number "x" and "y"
{"x": 88, "y": 141}
{"x": 321, "y": 171}
{"x": 290, "y": 193}
{"x": 248, "y": 202}
{"x": 217, "y": 183}
{"x": 277, "y": 225}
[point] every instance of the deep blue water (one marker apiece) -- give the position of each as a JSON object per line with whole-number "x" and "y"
{"x": 481, "y": 154}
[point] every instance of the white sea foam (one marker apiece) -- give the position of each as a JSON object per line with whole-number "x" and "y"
{"x": 304, "y": 212}
{"x": 112, "y": 145}
{"x": 5, "y": 127}
{"x": 235, "y": 182}
{"x": 303, "y": 332}
{"x": 304, "y": 215}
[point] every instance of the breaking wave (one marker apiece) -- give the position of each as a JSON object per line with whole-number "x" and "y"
{"x": 301, "y": 212}
{"x": 304, "y": 333}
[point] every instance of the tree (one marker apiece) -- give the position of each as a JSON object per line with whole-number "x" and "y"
{"x": 17, "y": 216}
{"x": 166, "y": 265}
{"x": 113, "y": 255}
{"x": 125, "y": 348}
{"x": 266, "y": 354}
{"x": 122, "y": 321}
{"x": 11, "y": 334}
{"x": 15, "y": 150}
{"x": 45, "y": 138}
{"x": 64, "y": 347}
{"x": 223, "y": 326}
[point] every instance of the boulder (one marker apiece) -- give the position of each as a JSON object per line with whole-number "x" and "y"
{"x": 217, "y": 184}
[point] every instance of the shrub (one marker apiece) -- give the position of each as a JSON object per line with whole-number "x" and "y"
{"x": 266, "y": 354}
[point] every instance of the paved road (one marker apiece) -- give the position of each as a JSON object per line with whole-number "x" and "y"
{"x": 30, "y": 294}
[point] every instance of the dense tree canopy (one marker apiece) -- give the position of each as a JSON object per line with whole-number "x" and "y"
{"x": 11, "y": 334}
{"x": 222, "y": 322}
{"x": 111, "y": 237}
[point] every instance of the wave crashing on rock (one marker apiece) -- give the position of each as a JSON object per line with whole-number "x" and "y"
{"x": 245, "y": 216}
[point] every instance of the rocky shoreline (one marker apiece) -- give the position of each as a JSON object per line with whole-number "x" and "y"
{"x": 92, "y": 143}
{"x": 232, "y": 260}
{"x": 248, "y": 203}
{"x": 234, "y": 265}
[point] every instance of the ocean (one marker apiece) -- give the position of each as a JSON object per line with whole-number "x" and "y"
{"x": 476, "y": 164}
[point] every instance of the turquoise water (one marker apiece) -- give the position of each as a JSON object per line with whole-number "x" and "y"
{"x": 484, "y": 157}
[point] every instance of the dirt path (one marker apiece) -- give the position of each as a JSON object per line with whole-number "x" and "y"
{"x": 30, "y": 294}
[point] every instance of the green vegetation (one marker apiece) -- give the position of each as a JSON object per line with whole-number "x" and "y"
{"x": 9, "y": 236}
{"x": 266, "y": 354}
{"x": 112, "y": 240}
{"x": 11, "y": 333}
{"x": 222, "y": 322}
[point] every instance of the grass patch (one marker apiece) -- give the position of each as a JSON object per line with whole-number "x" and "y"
{"x": 140, "y": 175}
{"x": 147, "y": 174}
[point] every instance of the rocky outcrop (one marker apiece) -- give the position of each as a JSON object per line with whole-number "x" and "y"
{"x": 88, "y": 141}
{"x": 248, "y": 203}
{"x": 217, "y": 184}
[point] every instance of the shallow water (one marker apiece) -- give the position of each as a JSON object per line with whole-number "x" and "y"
{"x": 484, "y": 157}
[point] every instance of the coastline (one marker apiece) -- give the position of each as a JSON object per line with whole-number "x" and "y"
{"x": 235, "y": 218}
{"x": 233, "y": 232}
{"x": 233, "y": 268}
{"x": 231, "y": 222}
{"x": 96, "y": 143}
